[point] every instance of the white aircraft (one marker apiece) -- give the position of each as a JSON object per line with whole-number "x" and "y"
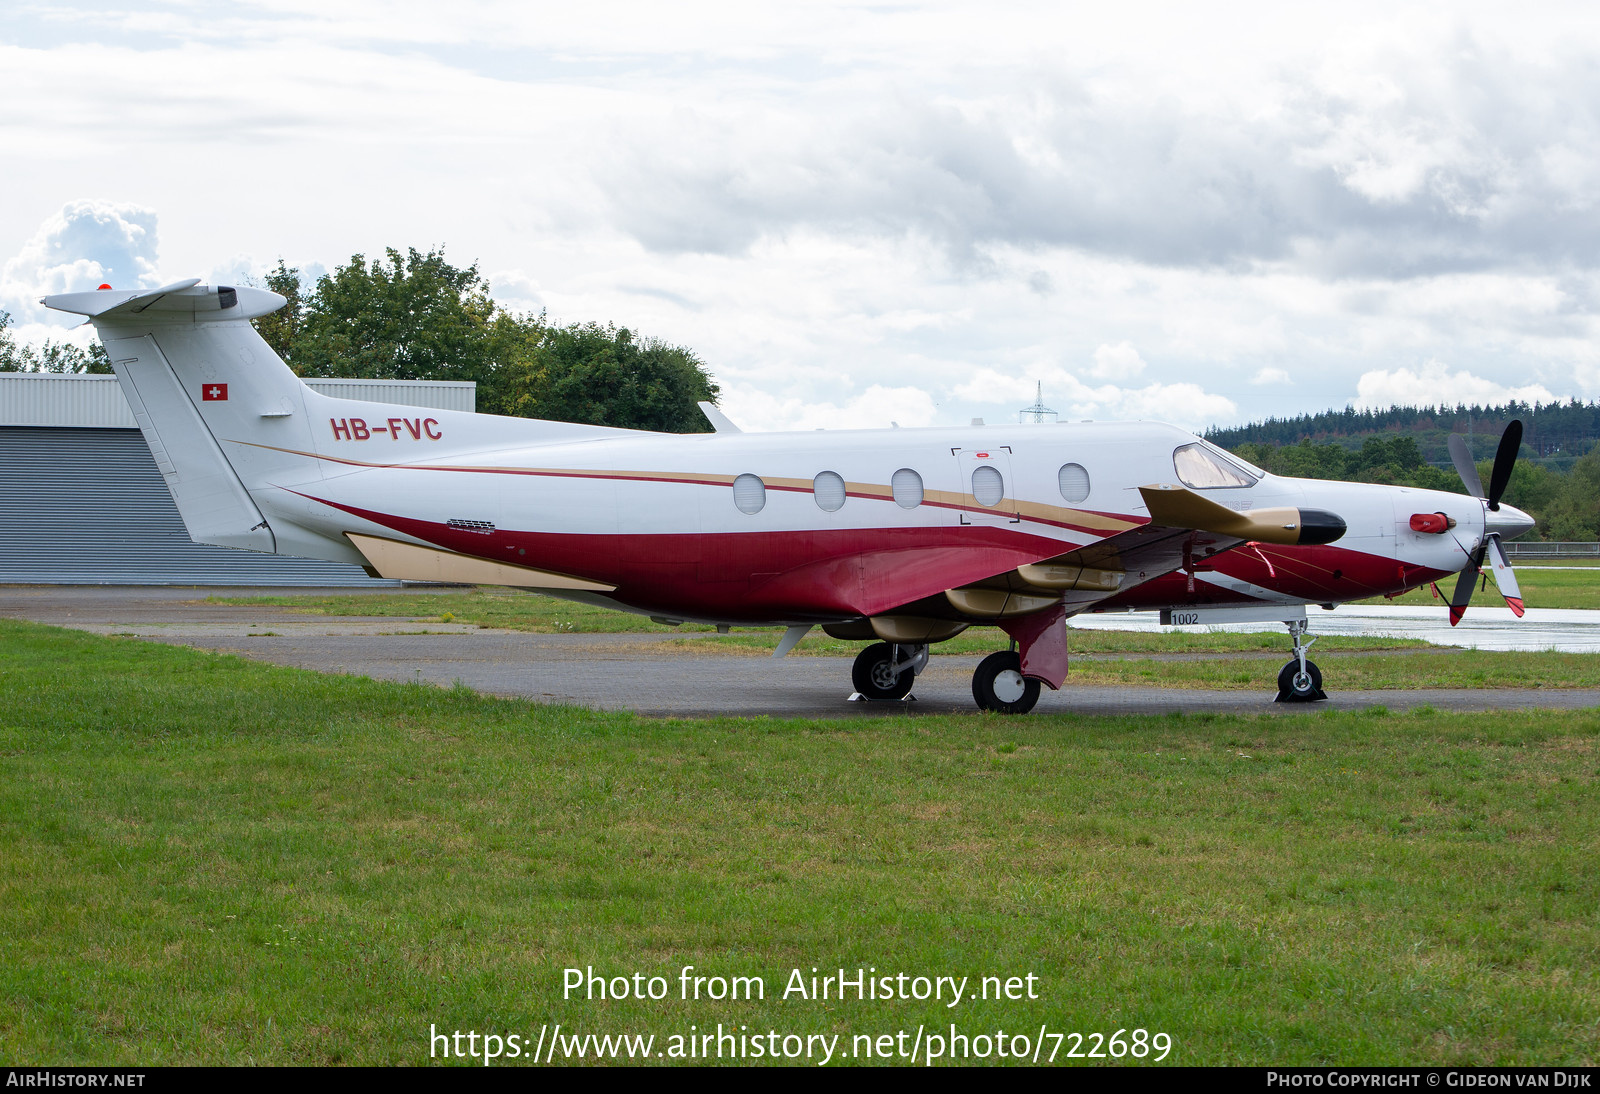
{"x": 902, "y": 538}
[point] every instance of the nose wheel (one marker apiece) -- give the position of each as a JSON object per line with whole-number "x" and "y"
{"x": 999, "y": 685}
{"x": 1300, "y": 681}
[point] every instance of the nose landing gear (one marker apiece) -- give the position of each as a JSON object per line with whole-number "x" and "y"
{"x": 1301, "y": 680}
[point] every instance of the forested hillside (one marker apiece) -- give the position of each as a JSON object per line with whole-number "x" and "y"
{"x": 1556, "y": 480}
{"x": 1555, "y": 434}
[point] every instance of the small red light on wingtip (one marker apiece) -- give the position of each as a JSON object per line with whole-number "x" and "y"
{"x": 102, "y": 287}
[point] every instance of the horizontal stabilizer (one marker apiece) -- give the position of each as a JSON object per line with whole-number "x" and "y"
{"x": 181, "y": 300}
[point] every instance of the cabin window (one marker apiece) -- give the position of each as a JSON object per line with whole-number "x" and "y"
{"x": 749, "y": 494}
{"x": 987, "y": 486}
{"x": 1204, "y": 467}
{"x": 907, "y": 485}
{"x": 1073, "y": 481}
{"x": 828, "y": 489}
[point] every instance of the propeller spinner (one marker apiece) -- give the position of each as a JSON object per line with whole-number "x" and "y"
{"x": 1498, "y": 520}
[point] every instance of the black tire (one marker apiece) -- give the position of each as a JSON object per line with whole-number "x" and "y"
{"x": 999, "y": 685}
{"x": 1294, "y": 688}
{"x": 874, "y": 678}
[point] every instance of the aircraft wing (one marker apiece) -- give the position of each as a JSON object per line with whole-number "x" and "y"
{"x": 1185, "y": 528}
{"x": 1083, "y": 577}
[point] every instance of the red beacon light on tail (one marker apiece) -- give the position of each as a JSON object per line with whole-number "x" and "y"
{"x": 1436, "y": 524}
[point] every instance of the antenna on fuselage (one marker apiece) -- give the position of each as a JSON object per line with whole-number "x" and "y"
{"x": 1038, "y": 413}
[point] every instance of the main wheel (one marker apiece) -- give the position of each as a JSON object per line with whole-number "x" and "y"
{"x": 1297, "y": 687}
{"x": 874, "y": 676}
{"x": 999, "y": 685}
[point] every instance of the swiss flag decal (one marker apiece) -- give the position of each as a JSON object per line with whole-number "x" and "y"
{"x": 214, "y": 393}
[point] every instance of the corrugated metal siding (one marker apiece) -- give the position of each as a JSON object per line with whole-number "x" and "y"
{"x": 87, "y": 506}
{"x": 96, "y": 402}
{"x": 433, "y": 394}
{"x": 81, "y": 401}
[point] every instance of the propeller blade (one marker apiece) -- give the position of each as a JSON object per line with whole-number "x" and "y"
{"x": 1505, "y": 458}
{"x": 1505, "y": 577}
{"x": 1462, "y": 596}
{"x": 1461, "y": 456}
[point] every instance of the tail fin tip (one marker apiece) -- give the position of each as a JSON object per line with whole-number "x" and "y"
{"x": 180, "y": 301}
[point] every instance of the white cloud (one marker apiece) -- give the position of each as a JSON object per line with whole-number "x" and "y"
{"x": 516, "y": 290}
{"x": 87, "y": 244}
{"x": 1118, "y": 362}
{"x": 826, "y": 199}
{"x": 875, "y": 408}
{"x": 1434, "y": 384}
{"x": 1186, "y": 404}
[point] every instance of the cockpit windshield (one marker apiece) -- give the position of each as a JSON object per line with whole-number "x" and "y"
{"x": 1204, "y": 466}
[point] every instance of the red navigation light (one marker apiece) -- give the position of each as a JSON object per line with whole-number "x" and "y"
{"x": 102, "y": 287}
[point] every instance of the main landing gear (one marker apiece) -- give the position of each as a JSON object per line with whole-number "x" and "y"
{"x": 1301, "y": 680}
{"x": 999, "y": 685}
{"x": 884, "y": 672}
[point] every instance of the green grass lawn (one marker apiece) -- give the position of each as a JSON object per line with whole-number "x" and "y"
{"x": 506, "y": 608}
{"x": 1345, "y": 672}
{"x": 208, "y": 860}
{"x": 1547, "y": 585}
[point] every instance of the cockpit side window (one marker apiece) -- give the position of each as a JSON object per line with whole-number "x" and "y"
{"x": 1202, "y": 467}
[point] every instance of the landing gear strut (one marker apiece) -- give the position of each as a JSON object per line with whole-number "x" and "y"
{"x": 1301, "y": 680}
{"x": 884, "y": 672}
{"x": 999, "y": 685}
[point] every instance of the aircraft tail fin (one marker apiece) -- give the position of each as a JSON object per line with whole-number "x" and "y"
{"x": 224, "y": 416}
{"x": 239, "y": 437}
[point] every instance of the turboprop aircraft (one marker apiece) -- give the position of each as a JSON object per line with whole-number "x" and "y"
{"x": 901, "y": 538}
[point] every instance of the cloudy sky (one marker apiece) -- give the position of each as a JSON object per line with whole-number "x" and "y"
{"x": 862, "y": 212}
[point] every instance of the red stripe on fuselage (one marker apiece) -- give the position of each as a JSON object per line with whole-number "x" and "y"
{"x": 753, "y": 576}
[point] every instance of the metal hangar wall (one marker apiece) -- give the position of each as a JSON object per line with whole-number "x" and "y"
{"x": 82, "y": 502}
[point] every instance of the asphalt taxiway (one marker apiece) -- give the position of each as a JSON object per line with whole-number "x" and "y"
{"x": 655, "y": 674}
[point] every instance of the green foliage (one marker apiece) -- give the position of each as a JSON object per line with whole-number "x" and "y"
{"x": 599, "y": 376}
{"x": 1396, "y": 461}
{"x": 415, "y": 316}
{"x": 1566, "y": 506}
{"x": 281, "y": 327}
{"x": 56, "y": 357}
{"x": 1555, "y": 433}
{"x": 1573, "y": 512}
{"x": 405, "y": 317}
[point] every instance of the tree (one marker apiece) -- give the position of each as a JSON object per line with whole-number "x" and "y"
{"x": 56, "y": 357}
{"x": 417, "y": 317}
{"x": 1574, "y": 512}
{"x": 409, "y": 317}
{"x": 280, "y": 328}
{"x": 8, "y": 345}
{"x": 601, "y": 376}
